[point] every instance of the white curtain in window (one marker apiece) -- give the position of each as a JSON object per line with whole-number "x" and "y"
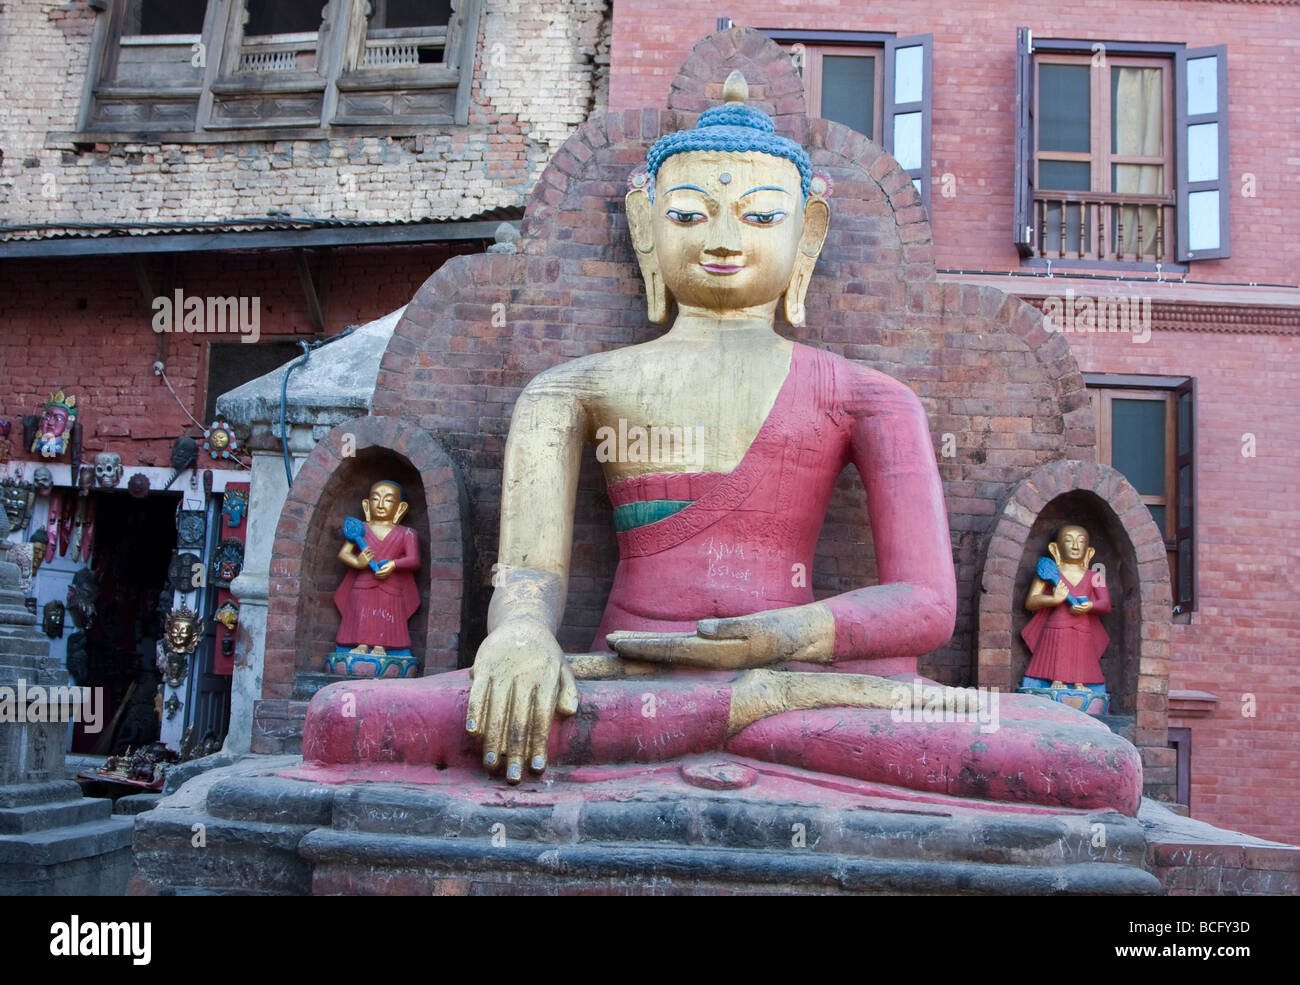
{"x": 1139, "y": 130}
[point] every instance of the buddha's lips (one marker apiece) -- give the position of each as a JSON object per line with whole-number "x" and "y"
{"x": 723, "y": 268}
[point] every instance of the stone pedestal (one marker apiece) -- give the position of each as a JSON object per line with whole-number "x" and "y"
{"x": 53, "y": 841}
{"x": 697, "y": 827}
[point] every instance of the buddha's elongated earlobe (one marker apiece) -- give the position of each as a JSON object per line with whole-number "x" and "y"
{"x": 402, "y": 507}
{"x": 639, "y": 223}
{"x": 365, "y": 509}
{"x": 1055, "y": 551}
{"x": 816, "y": 220}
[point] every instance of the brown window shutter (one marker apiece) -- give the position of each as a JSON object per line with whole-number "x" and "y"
{"x": 1023, "y": 232}
{"x": 1184, "y": 504}
{"x": 1201, "y": 76}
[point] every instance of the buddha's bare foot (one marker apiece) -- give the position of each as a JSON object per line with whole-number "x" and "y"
{"x": 360, "y": 650}
{"x": 378, "y": 651}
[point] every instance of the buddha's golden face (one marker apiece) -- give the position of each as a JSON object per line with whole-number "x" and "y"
{"x": 384, "y": 500}
{"x": 1073, "y": 545}
{"x": 727, "y": 227}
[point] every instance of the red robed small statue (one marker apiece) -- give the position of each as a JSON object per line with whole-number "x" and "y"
{"x": 378, "y": 596}
{"x": 1065, "y": 636}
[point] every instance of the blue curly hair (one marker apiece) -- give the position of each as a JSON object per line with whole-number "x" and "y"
{"x": 733, "y": 126}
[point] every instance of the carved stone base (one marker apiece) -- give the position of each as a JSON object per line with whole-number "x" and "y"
{"x": 698, "y": 827}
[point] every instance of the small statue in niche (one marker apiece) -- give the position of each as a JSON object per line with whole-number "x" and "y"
{"x": 1065, "y": 635}
{"x": 54, "y": 432}
{"x": 377, "y": 597}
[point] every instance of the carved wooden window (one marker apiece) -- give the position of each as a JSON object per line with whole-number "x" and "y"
{"x": 1147, "y": 433}
{"x": 1121, "y": 152}
{"x": 407, "y": 62}
{"x": 147, "y": 69}
{"x": 201, "y": 67}
{"x": 877, "y": 84}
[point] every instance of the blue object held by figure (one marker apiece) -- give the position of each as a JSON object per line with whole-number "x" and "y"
{"x": 1048, "y": 571}
{"x": 355, "y": 531}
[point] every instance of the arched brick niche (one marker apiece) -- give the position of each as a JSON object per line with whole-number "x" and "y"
{"x": 302, "y": 620}
{"x": 1008, "y": 393}
{"x": 1129, "y": 544}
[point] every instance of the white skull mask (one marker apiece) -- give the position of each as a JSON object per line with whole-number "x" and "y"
{"x": 108, "y": 469}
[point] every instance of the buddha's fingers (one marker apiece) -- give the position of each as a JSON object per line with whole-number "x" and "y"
{"x": 524, "y": 707}
{"x": 759, "y": 694}
{"x": 498, "y": 718}
{"x": 681, "y": 649}
{"x": 480, "y": 694}
{"x": 567, "y": 702}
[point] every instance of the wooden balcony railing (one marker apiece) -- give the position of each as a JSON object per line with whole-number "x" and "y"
{"x": 1104, "y": 226}
{"x": 404, "y": 47}
{"x": 278, "y": 53}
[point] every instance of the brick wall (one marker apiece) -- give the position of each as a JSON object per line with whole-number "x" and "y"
{"x": 82, "y": 324}
{"x": 535, "y": 80}
{"x": 974, "y": 100}
{"x": 1241, "y": 639}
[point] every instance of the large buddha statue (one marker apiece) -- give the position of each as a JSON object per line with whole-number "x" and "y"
{"x": 730, "y": 441}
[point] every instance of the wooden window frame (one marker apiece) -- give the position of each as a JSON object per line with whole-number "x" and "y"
{"x": 1100, "y": 158}
{"x": 1176, "y": 242}
{"x": 887, "y": 108}
{"x": 1103, "y": 388}
{"x": 1180, "y": 739}
{"x": 233, "y": 103}
{"x": 812, "y": 78}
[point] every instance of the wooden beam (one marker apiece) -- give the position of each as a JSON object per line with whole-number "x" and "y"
{"x": 314, "y": 308}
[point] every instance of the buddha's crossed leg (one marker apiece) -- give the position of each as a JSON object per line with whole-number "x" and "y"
{"x": 1017, "y": 749}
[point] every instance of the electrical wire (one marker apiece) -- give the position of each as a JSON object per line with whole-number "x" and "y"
{"x": 199, "y": 424}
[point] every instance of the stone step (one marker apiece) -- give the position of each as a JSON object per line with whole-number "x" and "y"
{"x": 357, "y": 863}
{"x": 56, "y": 845}
{"x": 26, "y": 794}
{"x": 62, "y": 814}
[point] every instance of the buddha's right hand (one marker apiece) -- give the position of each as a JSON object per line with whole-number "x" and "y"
{"x": 521, "y": 682}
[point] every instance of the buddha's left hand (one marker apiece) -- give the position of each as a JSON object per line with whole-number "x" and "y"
{"x": 804, "y": 632}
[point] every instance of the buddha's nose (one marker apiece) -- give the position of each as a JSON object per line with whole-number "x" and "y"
{"x": 724, "y": 240}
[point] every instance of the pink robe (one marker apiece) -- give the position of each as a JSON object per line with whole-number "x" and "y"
{"x": 1065, "y": 646}
{"x": 375, "y": 612}
{"x": 746, "y": 542}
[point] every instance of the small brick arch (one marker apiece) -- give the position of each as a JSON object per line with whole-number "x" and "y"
{"x": 1130, "y": 544}
{"x": 301, "y": 619}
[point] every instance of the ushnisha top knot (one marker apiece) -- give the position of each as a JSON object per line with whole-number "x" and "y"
{"x": 733, "y": 126}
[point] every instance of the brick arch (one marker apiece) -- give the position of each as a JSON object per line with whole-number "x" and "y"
{"x": 301, "y": 619}
{"x": 1129, "y": 543}
{"x": 980, "y": 360}
{"x": 774, "y": 85}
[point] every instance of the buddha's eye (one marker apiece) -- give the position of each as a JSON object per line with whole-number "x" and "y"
{"x": 764, "y": 218}
{"x": 685, "y": 218}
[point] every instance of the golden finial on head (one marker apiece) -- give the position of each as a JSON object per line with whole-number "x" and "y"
{"x": 735, "y": 89}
